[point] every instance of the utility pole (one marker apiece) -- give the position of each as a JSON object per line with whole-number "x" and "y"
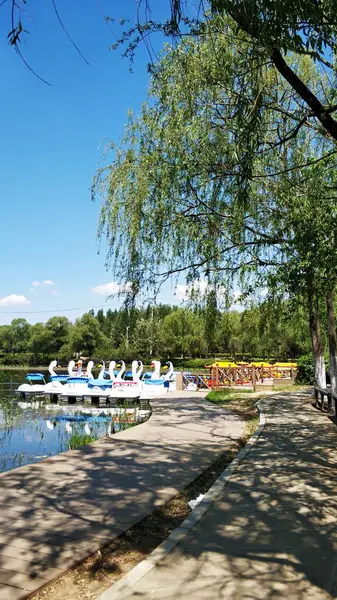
{"x": 127, "y": 337}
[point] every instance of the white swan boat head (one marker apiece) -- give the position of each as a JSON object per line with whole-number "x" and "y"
{"x": 119, "y": 376}
{"x": 156, "y": 369}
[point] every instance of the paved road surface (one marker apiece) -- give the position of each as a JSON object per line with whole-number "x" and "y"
{"x": 272, "y": 532}
{"x": 56, "y": 512}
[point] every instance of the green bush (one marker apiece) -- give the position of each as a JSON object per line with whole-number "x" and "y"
{"x": 17, "y": 359}
{"x": 306, "y": 370}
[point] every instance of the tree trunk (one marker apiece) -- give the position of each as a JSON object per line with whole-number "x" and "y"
{"x": 332, "y": 340}
{"x": 316, "y": 342}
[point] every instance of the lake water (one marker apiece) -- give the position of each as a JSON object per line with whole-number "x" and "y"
{"x": 34, "y": 429}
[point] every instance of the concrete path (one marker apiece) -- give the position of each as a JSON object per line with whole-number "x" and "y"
{"x": 56, "y": 512}
{"x": 272, "y": 531}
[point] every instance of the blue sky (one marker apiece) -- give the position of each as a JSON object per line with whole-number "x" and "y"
{"x": 52, "y": 138}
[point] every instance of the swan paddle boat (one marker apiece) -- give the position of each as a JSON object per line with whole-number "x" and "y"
{"x": 101, "y": 387}
{"x": 53, "y": 386}
{"x": 128, "y": 389}
{"x": 76, "y": 386}
{"x": 170, "y": 376}
{"x": 32, "y": 387}
{"x": 156, "y": 385}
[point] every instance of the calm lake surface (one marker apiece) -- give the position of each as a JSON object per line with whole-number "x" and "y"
{"x": 34, "y": 429}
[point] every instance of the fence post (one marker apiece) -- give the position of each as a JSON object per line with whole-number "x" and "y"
{"x": 179, "y": 381}
{"x": 213, "y": 377}
{"x": 217, "y": 377}
{"x": 254, "y": 379}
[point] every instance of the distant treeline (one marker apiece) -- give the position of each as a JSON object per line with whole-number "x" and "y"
{"x": 164, "y": 331}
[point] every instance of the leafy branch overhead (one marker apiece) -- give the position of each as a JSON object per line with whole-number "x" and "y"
{"x": 228, "y": 173}
{"x": 205, "y": 175}
{"x": 306, "y": 27}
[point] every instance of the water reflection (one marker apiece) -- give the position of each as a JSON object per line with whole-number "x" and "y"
{"x": 33, "y": 430}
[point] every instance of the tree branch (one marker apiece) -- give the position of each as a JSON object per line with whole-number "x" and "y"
{"x": 322, "y": 114}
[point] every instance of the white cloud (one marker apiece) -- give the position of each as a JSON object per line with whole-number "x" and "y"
{"x": 237, "y": 295}
{"x": 14, "y": 300}
{"x": 201, "y": 287}
{"x": 184, "y": 291}
{"x": 181, "y": 291}
{"x": 55, "y": 292}
{"x": 41, "y": 283}
{"x": 108, "y": 289}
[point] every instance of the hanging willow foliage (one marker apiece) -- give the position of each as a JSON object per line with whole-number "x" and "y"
{"x": 209, "y": 174}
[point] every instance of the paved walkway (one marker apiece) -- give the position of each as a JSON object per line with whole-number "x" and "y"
{"x": 272, "y": 531}
{"x": 56, "y": 512}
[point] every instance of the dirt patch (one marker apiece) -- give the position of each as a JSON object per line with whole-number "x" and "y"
{"x": 89, "y": 579}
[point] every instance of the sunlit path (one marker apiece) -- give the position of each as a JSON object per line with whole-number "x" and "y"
{"x": 56, "y": 512}
{"x": 272, "y": 532}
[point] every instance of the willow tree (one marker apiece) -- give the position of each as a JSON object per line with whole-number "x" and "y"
{"x": 208, "y": 179}
{"x": 306, "y": 27}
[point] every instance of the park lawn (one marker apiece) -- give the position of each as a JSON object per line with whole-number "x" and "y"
{"x": 226, "y": 394}
{"x": 243, "y": 403}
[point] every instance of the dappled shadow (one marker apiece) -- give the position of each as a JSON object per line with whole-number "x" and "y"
{"x": 272, "y": 532}
{"x": 56, "y": 512}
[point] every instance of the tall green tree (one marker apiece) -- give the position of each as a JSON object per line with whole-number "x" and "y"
{"x": 183, "y": 334}
{"x": 56, "y": 333}
{"x": 217, "y": 176}
{"x": 86, "y": 336}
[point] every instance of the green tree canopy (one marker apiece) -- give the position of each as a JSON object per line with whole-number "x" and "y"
{"x": 86, "y": 335}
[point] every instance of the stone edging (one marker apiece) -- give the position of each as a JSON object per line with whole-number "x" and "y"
{"x": 118, "y": 590}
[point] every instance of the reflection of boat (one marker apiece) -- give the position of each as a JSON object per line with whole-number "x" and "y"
{"x": 87, "y": 429}
{"x": 34, "y": 404}
{"x": 82, "y": 418}
{"x": 85, "y": 419}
